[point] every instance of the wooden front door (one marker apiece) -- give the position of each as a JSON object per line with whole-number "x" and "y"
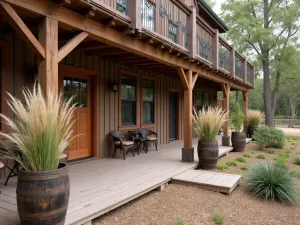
{"x": 79, "y": 86}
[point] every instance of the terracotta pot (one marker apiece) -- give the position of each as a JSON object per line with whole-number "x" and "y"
{"x": 208, "y": 153}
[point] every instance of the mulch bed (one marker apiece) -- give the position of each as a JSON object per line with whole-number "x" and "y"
{"x": 194, "y": 206}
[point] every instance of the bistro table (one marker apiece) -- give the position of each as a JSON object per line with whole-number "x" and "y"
{"x": 138, "y": 139}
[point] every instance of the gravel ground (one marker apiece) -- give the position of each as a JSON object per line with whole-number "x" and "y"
{"x": 196, "y": 206}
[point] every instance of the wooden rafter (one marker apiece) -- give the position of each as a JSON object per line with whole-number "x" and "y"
{"x": 67, "y": 48}
{"x": 182, "y": 76}
{"x": 106, "y": 51}
{"x": 195, "y": 77}
{"x": 21, "y": 28}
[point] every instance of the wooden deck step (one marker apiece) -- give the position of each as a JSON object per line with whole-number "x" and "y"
{"x": 220, "y": 182}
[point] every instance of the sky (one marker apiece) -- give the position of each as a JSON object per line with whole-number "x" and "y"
{"x": 217, "y": 7}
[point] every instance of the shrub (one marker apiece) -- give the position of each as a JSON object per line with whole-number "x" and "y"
{"x": 260, "y": 156}
{"x": 269, "y": 137}
{"x": 236, "y": 118}
{"x": 297, "y": 160}
{"x": 240, "y": 159}
{"x": 295, "y": 173}
{"x": 254, "y": 117}
{"x": 272, "y": 182}
{"x": 208, "y": 122}
{"x": 271, "y": 151}
{"x": 179, "y": 222}
{"x": 231, "y": 163}
{"x": 244, "y": 167}
{"x": 222, "y": 166}
{"x": 219, "y": 218}
{"x": 42, "y": 128}
{"x": 247, "y": 155}
{"x": 281, "y": 163}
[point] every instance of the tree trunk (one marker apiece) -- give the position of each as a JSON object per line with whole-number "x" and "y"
{"x": 275, "y": 94}
{"x": 267, "y": 91}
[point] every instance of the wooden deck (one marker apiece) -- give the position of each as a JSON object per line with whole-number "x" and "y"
{"x": 221, "y": 182}
{"x": 98, "y": 186}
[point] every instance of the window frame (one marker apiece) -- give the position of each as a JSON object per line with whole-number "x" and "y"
{"x": 177, "y": 33}
{"x": 148, "y": 125}
{"x": 195, "y": 99}
{"x": 138, "y": 97}
{"x": 126, "y": 8}
{"x": 153, "y": 4}
{"x": 3, "y": 104}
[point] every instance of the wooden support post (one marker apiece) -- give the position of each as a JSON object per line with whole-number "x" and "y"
{"x": 226, "y": 94}
{"x": 215, "y": 50}
{"x": 245, "y": 98}
{"x": 187, "y": 80}
{"x": 135, "y": 13}
{"x": 232, "y": 62}
{"x": 48, "y": 67}
{"x": 192, "y": 32}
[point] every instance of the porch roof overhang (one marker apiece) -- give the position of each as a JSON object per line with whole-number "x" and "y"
{"x": 71, "y": 20}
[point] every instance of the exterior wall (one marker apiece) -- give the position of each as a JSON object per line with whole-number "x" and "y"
{"x": 21, "y": 68}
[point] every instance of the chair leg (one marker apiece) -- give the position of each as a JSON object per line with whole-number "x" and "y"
{"x": 155, "y": 145}
{"x": 124, "y": 154}
{"x": 147, "y": 146}
{"x": 132, "y": 151}
{"x": 115, "y": 150}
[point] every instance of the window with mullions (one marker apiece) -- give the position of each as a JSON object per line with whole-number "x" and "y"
{"x": 149, "y": 14}
{"x": 77, "y": 88}
{"x": 148, "y": 101}
{"x": 122, "y": 6}
{"x": 206, "y": 100}
{"x": 128, "y": 100}
{"x": 199, "y": 101}
{"x": 173, "y": 32}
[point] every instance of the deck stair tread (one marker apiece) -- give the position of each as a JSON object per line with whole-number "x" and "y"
{"x": 221, "y": 182}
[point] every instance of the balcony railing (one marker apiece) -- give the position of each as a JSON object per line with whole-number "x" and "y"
{"x": 250, "y": 74}
{"x": 224, "y": 55}
{"x": 204, "y": 42}
{"x": 239, "y": 67}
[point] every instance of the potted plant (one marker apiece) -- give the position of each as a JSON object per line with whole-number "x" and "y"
{"x": 254, "y": 118}
{"x": 41, "y": 130}
{"x": 206, "y": 126}
{"x": 238, "y": 138}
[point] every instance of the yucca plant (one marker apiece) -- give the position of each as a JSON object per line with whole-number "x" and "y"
{"x": 42, "y": 128}
{"x": 272, "y": 182}
{"x": 208, "y": 122}
{"x": 254, "y": 117}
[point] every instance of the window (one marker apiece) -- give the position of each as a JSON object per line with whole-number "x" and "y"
{"x": 128, "y": 100}
{"x": 206, "y": 100}
{"x": 199, "y": 101}
{"x": 148, "y": 14}
{"x": 122, "y": 6}
{"x": 148, "y": 101}
{"x": 173, "y": 32}
{"x": 77, "y": 88}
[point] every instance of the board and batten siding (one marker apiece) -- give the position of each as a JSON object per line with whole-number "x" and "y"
{"x": 22, "y": 66}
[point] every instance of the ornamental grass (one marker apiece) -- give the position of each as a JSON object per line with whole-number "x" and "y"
{"x": 208, "y": 122}
{"x": 254, "y": 117}
{"x": 42, "y": 128}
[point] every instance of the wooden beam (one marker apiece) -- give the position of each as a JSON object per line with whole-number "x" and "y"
{"x": 48, "y": 67}
{"x": 226, "y": 95}
{"x": 21, "y": 28}
{"x": 106, "y": 51}
{"x": 182, "y": 76}
{"x": 67, "y": 48}
{"x": 115, "y": 38}
{"x": 195, "y": 77}
{"x": 111, "y": 23}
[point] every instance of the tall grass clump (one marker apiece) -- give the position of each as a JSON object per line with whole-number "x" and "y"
{"x": 208, "y": 122}
{"x": 272, "y": 182}
{"x": 254, "y": 117}
{"x": 42, "y": 128}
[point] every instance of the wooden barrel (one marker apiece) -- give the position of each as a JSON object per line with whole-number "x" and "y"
{"x": 208, "y": 153}
{"x": 251, "y": 130}
{"x": 238, "y": 140}
{"x": 43, "y": 197}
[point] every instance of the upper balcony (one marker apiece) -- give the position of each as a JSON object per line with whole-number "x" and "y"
{"x": 175, "y": 26}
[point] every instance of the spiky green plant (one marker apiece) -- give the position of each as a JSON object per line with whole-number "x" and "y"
{"x": 260, "y": 156}
{"x": 272, "y": 182}
{"x": 218, "y": 218}
{"x": 208, "y": 122}
{"x": 42, "y": 128}
{"x": 244, "y": 167}
{"x": 221, "y": 166}
{"x": 231, "y": 163}
{"x": 247, "y": 155}
{"x": 240, "y": 159}
{"x": 297, "y": 160}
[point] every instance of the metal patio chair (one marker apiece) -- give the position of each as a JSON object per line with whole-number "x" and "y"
{"x": 123, "y": 141}
{"x": 147, "y": 137}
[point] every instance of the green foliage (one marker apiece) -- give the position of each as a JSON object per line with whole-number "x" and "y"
{"x": 297, "y": 160}
{"x": 295, "y": 138}
{"x": 240, "y": 159}
{"x": 268, "y": 137}
{"x": 281, "y": 162}
{"x": 247, "y": 155}
{"x": 260, "y": 156}
{"x": 218, "y": 218}
{"x": 231, "y": 163}
{"x": 179, "y": 222}
{"x": 295, "y": 173}
{"x": 236, "y": 118}
{"x": 272, "y": 182}
{"x": 271, "y": 151}
{"x": 254, "y": 117}
{"x": 221, "y": 166}
{"x": 285, "y": 154}
{"x": 244, "y": 167}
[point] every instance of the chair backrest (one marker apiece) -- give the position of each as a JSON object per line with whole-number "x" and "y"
{"x": 120, "y": 135}
{"x": 144, "y": 132}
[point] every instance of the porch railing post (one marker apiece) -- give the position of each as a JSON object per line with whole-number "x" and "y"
{"x": 192, "y": 32}
{"x": 245, "y": 71}
{"x": 48, "y": 67}
{"x": 135, "y": 12}
{"x": 226, "y": 95}
{"x": 232, "y": 62}
{"x": 215, "y": 50}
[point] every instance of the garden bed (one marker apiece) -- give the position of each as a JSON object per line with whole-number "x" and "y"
{"x": 182, "y": 205}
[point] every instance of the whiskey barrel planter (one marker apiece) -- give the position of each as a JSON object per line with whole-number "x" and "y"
{"x": 238, "y": 140}
{"x": 251, "y": 130}
{"x": 208, "y": 153}
{"x": 43, "y": 197}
